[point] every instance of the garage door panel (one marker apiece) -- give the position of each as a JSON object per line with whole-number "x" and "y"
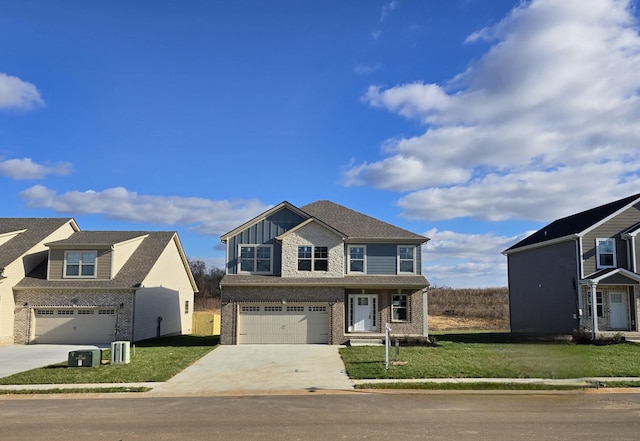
{"x": 290, "y": 324}
{"x": 74, "y": 326}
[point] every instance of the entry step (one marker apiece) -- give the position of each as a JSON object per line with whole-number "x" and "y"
{"x": 366, "y": 342}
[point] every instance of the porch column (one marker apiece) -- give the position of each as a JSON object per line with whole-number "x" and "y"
{"x": 594, "y": 311}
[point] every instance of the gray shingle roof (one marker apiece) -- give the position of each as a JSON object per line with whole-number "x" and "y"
{"x": 130, "y": 275}
{"x": 575, "y": 223}
{"x": 96, "y": 238}
{"x": 390, "y": 281}
{"x": 355, "y": 224}
{"x": 37, "y": 230}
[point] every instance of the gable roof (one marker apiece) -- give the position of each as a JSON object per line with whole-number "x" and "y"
{"x": 131, "y": 275}
{"x": 356, "y": 225}
{"x": 572, "y": 226}
{"x": 261, "y": 217}
{"x": 33, "y": 231}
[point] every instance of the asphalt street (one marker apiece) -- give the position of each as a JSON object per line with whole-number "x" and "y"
{"x": 324, "y": 416}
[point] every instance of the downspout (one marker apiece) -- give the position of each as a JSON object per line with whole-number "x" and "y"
{"x": 594, "y": 311}
{"x": 425, "y": 312}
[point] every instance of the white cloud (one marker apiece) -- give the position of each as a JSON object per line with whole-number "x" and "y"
{"x": 206, "y": 216}
{"x": 18, "y": 94}
{"x": 548, "y": 113}
{"x": 25, "y": 168}
{"x": 466, "y": 260}
{"x": 366, "y": 69}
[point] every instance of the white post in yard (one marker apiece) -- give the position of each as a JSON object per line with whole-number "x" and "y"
{"x": 387, "y": 330}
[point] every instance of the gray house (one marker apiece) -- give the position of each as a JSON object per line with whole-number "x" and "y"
{"x": 579, "y": 273}
{"x": 322, "y": 273}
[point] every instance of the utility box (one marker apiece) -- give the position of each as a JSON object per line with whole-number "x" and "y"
{"x": 120, "y": 352}
{"x": 86, "y": 358}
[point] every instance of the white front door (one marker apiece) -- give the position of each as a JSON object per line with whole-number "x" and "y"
{"x": 363, "y": 313}
{"x": 619, "y": 318}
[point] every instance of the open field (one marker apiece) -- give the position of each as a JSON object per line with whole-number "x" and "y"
{"x": 465, "y": 309}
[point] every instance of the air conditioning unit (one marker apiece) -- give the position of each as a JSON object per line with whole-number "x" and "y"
{"x": 120, "y": 352}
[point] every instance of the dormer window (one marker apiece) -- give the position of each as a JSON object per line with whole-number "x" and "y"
{"x": 606, "y": 253}
{"x": 80, "y": 263}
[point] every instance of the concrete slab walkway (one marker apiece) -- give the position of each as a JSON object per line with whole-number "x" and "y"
{"x": 261, "y": 368}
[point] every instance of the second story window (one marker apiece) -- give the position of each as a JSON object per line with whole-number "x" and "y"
{"x": 606, "y": 253}
{"x": 357, "y": 255}
{"x": 316, "y": 258}
{"x": 406, "y": 260}
{"x": 80, "y": 263}
{"x": 255, "y": 259}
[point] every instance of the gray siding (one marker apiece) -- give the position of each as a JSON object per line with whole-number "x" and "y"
{"x": 264, "y": 232}
{"x": 612, "y": 228}
{"x": 382, "y": 258}
{"x": 543, "y": 289}
{"x": 56, "y": 264}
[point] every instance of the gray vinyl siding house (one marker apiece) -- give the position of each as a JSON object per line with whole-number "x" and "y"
{"x": 321, "y": 273}
{"x": 578, "y": 274}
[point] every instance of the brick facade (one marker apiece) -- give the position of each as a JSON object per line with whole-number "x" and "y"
{"x": 27, "y": 301}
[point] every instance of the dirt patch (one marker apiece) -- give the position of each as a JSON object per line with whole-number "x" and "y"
{"x": 452, "y": 323}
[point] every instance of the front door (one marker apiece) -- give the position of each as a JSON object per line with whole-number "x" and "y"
{"x": 362, "y": 313}
{"x": 619, "y": 318}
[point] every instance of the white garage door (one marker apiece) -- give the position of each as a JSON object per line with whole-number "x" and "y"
{"x": 291, "y": 323}
{"x": 74, "y": 325}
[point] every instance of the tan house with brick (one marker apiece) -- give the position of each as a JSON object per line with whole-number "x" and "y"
{"x": 322, "y": 273}
{"x": 66, "y": 286}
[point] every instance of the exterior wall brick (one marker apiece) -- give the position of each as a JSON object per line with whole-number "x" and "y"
{"x": 315, "y": 235}
{"x": 604, "y": 322}
{"x": 26, "y": 301}
{"x": 336, "y": 297}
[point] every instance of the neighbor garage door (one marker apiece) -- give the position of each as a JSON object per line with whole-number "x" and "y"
{"x": 74, "y": 325}
{"x": 283, "y": 323}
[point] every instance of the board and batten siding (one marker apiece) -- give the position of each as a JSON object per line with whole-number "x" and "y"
{"x": 610, "y": 229}
{"x": 56, "y": 264}
{"x": 263, "y": 232}
{"x": 543, "y": 289}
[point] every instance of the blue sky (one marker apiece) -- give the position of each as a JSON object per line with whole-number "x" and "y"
{"x": 473, "y": 122}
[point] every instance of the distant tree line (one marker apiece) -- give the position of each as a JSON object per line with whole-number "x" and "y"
{"x": 208, "y": 283}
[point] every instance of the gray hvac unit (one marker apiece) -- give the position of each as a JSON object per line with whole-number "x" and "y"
{"x": 91, "y": 358}
{"x": 120, "y": 352}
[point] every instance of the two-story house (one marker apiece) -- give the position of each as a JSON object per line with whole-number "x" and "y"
{"x": 322, "y": 273}
{"x": 579, "y": 273}
{"x": 63, "y": 285}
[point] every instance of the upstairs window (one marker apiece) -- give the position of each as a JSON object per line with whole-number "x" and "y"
{"x": 80, "y": 263}
{"x": 304, "y": 258}
{"x": 357, "y": 257}
{"x": 256, "y": 259}
{"x": 406, "y": 260}
{"x": 313, "y": 257}
{"x": 606, "y": 253}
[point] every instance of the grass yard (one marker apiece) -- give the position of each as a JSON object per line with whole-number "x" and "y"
{"x": 152, "y": 360}
{"x": 480, "y": 357}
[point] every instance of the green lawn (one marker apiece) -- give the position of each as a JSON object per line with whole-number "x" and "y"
{"x": 151, "y": 360}
{"x": 453, "y": 358}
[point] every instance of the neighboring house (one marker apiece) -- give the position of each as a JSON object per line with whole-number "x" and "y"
{"x": 321, "y": 273}
{"x": 63, "y": 285}
{"x": 579, "y": 273}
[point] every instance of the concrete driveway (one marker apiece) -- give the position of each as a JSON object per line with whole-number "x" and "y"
{"x": 261, "y": 368}
{"x": 19, "y": 358}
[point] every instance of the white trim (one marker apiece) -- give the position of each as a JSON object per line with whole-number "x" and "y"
{"x": 542, "y": 244}
{"x": 603, "y": 239}
{"x": 364, "y": 259}
{"x": 255, "y": 258}
{"x": 624, "y": 272}
{"x": 307, "y": 222}
{"x": 263, "y": 216}
{"x": 398, "y": 260}
{"x": 611, "y": 216}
